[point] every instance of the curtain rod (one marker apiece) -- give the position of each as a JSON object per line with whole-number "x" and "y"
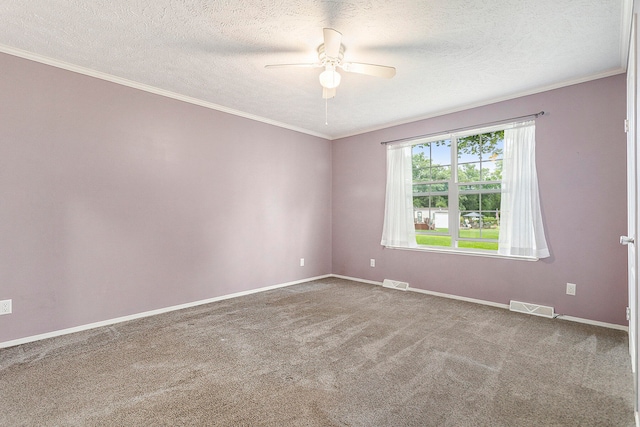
{"x": 535, "y": 116}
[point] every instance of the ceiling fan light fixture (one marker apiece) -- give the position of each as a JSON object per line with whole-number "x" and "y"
{"x": 330, "y": 56}
{"x": 330, "y": 78}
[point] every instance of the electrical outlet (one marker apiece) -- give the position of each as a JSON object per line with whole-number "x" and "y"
{"x": 301, "y": 262}
{"x": 372, "y": 262}
{"x": 571, "y": 288}
{"x": 5, "y": 306}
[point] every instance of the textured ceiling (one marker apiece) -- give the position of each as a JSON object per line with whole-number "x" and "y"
{"x": 449, "y": 54}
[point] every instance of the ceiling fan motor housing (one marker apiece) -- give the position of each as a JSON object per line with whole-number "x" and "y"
{"x": 324, "y": 59}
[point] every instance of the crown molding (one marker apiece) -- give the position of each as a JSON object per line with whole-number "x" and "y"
{"x": 464, "y": 107}
{"x": 162, "y": 92}
{"x": 151, "y": 89}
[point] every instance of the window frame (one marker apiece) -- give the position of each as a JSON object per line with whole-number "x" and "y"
{"x": 453, "y": 195}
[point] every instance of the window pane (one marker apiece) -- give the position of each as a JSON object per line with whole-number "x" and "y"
{"x": 489, "y": 230}
{"x": 466, "y": 232}
{"x": 485, "y": 153}
{"x": 440, "y": 202}
{"x": 421, "y": 162}
{"x": 444, "y": 241}
{"x": 469, "y": 172}
{"x": 492, "y": 146}
{"x": 421, "y": 188}
{"x": 440, "y": 173}
{"x": 432, "y": 161}
{"x": 469, "y": 221}
{"x": 421, "y": 218}
{"x": 468, "y": 203}
{"x": 491, "y": 155}
{"x": 441, "y": 152}
{"x": 489, "y": 227}
{"x": 469, "y": 149}
{"x": 479, "y": 225}
{"x": 490, "y": 220}
{"x": 421, "y": 202}
{"x": 491, "y": 202}
{"x": 492, "y": 170}
{"x": 494, "y": 186}
{"x": 479, "y": 245}
{"x": 442, "y": 187}
{"x": 431, "y": 221}
{"x": 468, "y": 188}
{"x": 432, "y": 166}
{"x": 435, "y": 220}
{"x": 440, "y": 221}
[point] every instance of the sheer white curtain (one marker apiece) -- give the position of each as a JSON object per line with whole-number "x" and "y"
{"x": 521, "y": 229}
{"x": 398, "y": 229}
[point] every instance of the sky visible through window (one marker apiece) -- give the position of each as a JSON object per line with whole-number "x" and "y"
{"x": 440, "y": 154}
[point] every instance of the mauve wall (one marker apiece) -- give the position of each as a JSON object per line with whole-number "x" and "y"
{"x": 114, "y": 201}
{"x": 581, "y": 170}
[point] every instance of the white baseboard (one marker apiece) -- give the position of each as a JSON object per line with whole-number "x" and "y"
{"x": 492, "y": 304}
{"x": 355, "y": 279}
{"x": 422, "y": 291}
{"x": 150, "y": 313}
{"x": 593, "y": 322}
{"x": 268, "y": 288}
{"x": 459, "y": 298}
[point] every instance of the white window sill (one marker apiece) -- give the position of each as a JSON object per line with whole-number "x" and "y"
{"x": 467, "y": 252}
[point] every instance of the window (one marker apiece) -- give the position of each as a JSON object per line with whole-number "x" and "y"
{"x": 456, "y": 191}
{"x": 474, "y": 191}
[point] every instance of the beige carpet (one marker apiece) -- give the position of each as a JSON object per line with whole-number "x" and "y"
{"x": 324, "y": 353}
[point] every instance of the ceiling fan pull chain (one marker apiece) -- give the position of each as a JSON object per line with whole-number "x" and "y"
{"x": 326, "y": 110}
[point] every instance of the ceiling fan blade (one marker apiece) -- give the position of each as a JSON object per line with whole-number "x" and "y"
{"x": 369, "y": 69}
{"x": 293, "y": 65}
{"x": 332, "y": 41}
{"x": 328, "y": 93}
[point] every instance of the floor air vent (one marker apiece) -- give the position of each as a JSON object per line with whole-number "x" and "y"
{"x": 535, "y": 309}
{"x": 394, "y": 284}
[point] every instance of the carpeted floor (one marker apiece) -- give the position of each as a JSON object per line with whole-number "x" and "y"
{"x": 324, "y": 353}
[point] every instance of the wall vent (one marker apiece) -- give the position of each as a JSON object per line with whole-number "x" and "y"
{"x": 395, "y": 284}
{"x": 528, "y": 308}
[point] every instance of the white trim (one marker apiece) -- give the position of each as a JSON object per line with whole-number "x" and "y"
{"x": 150, "y": 313}
{"x": 592, "y": 322}
{"x": 464, "y": 107}
{"x": 355, "y": 279}
{"x": 268, "y": 288}
{"x": 492, "y": 304}
{"x": 459, "y": 298}
{"x": 506, "y": 306}
{"x": 151, "y": 89}
{"x": 637, "y": 417}
{"x": 461, "y": 251}
{"x": 423, "y": 291}
{"x": 625, "y": 32}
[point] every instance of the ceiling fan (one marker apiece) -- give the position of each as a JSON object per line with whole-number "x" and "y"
{"x": 330, "y": 55}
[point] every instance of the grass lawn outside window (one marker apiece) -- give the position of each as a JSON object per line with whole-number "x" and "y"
{"x": 472, "y": 233}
